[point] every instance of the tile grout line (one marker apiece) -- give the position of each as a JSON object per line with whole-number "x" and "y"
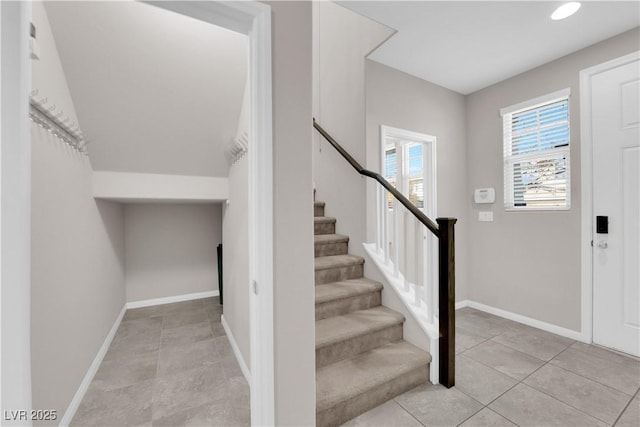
{"x": 405, "y": 410}
{"x": 523, "y": 383}
{"x": 517, "y": 381}
{"x": 509, "y": 345}
{"x": 555, "y": 398}
{"x": 546, "y": 362}
{"x": 626, "y": 407}
{"x": 580, "y": 375}
{"x": 632, "y": 396}
{"x": 155, "y": 379}
{"x": 475, "y": 345}
{"x": 502, "y": 373}
{"x": 575, "y": 373}
{"x": 475, "y": 413}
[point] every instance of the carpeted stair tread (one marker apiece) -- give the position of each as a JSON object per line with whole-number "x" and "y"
{"x": 324, "y": 219}
{"x": 323, "y": 224}
{"x": 318, "y": 209}
{"x": 335, "y": 261}
{"x": 330, "y": 238}
{"x": 361, "y": 358}
{"x": 338, "y": 329}
{"x": 347, "y": 378}
{"x": 345, "y": 289}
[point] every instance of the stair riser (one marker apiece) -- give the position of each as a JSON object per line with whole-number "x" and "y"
{"x": 328, "y": 249}
{"x": 318, "y": 210}
{"x": 353, "y": 346}
{"x": 336, "y": 274}
{"x": 324, "y": 228}
{"x": 351, "y": 408}
{"x": 347, "y": 305}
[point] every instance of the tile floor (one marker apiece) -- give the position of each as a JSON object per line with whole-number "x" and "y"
{"x": 172, "y": 365}
{"x": 168, "y": 365}
{"x": 509, "y": 374}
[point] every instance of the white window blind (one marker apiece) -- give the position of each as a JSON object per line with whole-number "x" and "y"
{"x": 536, "y": 154}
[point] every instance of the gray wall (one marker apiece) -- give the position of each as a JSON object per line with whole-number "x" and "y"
{"x": 235, "y": 240}
{"x": 344, "y": 39}
{"x": 77, "y": 270}
{"x": 170, "y": 249}
{"x": 529, "y": 262}
{"x": 293, "y": 299}
{"x": 77, "y": 251}
{"x": 170, "y": 85}
{"x": 399, "y": 100}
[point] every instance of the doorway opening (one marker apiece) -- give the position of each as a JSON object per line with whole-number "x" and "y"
{"x": 250, "y": 18}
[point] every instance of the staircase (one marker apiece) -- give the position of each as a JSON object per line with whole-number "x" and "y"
{"x": 361, "y": 358}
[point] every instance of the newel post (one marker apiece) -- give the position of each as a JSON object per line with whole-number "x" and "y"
{"x": 446, "y": 300}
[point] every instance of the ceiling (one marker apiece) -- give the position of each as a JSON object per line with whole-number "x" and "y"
{"x": 468, "y": 45}
{"x": 156, "y": 91}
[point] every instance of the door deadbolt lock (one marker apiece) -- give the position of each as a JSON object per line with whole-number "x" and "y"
{"x": 602, "y": 244}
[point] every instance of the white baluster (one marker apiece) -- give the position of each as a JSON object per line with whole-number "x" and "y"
{"x": 419, "y": 258}
{"x": 378, "y": 218}
{"x": 396, "y": 235}
{"x": 430, "y": 290}
{"x": 385, "y": 227}
{"x": 405, "y": 246}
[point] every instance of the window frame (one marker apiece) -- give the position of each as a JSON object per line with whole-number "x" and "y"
{"x": 548, "y": 154}
{"x": 429, "y": 165}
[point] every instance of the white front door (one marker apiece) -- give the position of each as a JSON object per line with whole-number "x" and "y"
{"x": 615, "y": 123}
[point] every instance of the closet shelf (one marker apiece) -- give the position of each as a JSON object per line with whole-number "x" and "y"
{"x": 125, "y": 187}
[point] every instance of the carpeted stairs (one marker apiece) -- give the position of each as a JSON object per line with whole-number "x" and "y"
{"x": 361, "y": 358}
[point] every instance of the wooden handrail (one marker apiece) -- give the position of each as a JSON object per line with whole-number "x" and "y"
{"x": 444, "y": 230}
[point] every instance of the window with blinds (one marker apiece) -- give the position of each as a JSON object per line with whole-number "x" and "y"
{"x": 536, "y": 154}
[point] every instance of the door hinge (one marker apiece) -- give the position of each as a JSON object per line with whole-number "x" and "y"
{"x": 255, "y": 287}
{"x": 592, "y": 243}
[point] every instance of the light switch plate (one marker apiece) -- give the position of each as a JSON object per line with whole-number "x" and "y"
{"x": 485, "y": 216}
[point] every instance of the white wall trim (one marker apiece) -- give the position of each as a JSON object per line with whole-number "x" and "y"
{"x": 261, "y": 257}
{"x": 15, "y": 210}
{"x": 91, "y": 372}
{"x": 549, "y": 327}
{"x": 586, "y": 153}
{"x": 169, "y": 300}
{"x": 462, "y": 304}
{"x": 236, "y": 350}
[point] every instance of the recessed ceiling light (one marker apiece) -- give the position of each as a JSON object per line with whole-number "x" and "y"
{"x": 566, "y": 10}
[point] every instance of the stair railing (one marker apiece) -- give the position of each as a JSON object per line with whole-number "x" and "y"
{"x": 443, "y": 230}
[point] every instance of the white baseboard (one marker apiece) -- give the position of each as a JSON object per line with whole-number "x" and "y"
{"x": 169, "y": 300}
{"x": 236, "y": 350}
{"x": 549, "y": 327}
{"x": 462, "y": 304}
{"x": 93, "y": 368}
